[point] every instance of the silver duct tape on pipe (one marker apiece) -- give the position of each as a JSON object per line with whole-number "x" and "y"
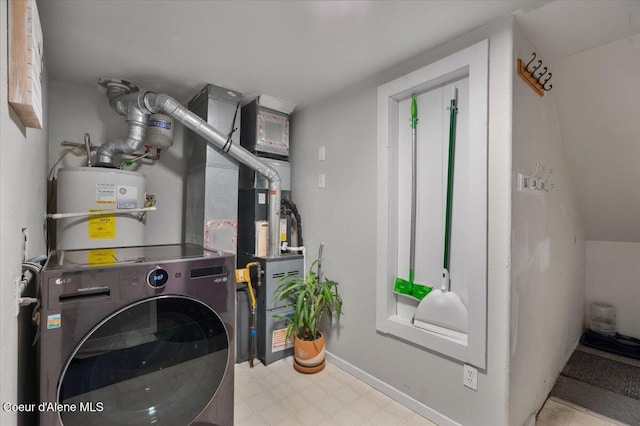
{"x": 115, "y": 96}
{"x": 137, "y": 121}
{"x": 165, "y": 104}
{"x": 123, "y": 96}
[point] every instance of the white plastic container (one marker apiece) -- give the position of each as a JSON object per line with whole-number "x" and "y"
{"x": 85, "y": 189}
{"x": 603, "y": 318}
{"x": 159, "y": 131}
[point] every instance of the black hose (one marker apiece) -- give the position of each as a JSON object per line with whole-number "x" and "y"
{"x": 252, "y": 322}
{"x": 287, "y": 206}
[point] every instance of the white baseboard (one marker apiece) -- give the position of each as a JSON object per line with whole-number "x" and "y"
{"x": 393, "y": 393}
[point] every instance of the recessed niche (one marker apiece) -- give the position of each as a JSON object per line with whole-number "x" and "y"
{"x": 467, "y": 71}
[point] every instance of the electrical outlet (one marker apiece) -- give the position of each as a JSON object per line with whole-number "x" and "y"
{"x": 470, "y": 377}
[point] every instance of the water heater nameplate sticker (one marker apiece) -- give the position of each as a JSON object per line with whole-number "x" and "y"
{"x": 127, "y": 197}
{"x": 102, "y": 226}
{"x": 105, "y": 193}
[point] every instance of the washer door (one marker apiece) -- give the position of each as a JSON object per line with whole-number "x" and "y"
{"x": 160, "y": 360}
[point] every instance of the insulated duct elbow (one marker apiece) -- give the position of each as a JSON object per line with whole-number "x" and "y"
{"x": 137, "y": 121}
{"x": 125, "y": 99}
{"x": 123, "y": 95}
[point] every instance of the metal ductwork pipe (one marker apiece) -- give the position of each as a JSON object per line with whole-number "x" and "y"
{"x": 123, "y": 101}
{"x": 137, "y": 121}
{"x": 167, "y": 105}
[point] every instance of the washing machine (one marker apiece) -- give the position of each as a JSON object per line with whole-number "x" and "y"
{"x": 137, "y": 336}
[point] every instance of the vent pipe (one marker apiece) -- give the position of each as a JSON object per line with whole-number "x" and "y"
{"x": 136, "y": 106}
{"x": 136, "y": 117}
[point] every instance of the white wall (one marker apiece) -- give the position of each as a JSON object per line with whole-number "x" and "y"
{"x": 548, "y": 251}
{"x": 76, "y": 110}
{"x": 343, "y": 215}
{"x": 597, "y": 99}
{"x": 23, "y": 162}
{"x": 613, "y": 276}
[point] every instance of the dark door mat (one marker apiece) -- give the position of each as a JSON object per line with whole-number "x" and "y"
{"x": 616, "y": 344}
{"x": 602, "y": 385}
{"x": 613, "y": 405}
{"x": 604, "y": 373}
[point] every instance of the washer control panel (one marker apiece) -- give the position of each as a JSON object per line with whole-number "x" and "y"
{"x": 157, "y": 277}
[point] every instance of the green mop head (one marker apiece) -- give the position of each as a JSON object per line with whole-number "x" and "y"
{"x": 410, "y": 289}
{"x": 402, "y": 286}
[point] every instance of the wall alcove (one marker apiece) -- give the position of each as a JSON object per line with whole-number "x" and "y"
{"x": 467, "y": 71}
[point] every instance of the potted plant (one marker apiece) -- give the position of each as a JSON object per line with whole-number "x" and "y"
{"x": 313, "y": 297}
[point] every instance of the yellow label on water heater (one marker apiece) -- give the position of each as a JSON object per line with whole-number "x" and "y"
{"x": 101, "y": 257}
{"x": 102, "y": 226}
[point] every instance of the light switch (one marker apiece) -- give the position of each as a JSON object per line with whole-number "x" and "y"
{"x": 321, "y": 153}
{"x": 321, "y": 180}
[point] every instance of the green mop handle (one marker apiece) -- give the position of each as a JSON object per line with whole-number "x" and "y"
{"x": 453, "y": 109}
{"x": 414, "y": 112}
{"x": 414, "y": 166}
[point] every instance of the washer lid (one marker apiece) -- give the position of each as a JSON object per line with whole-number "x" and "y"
{"x": 67, "y": 259}
{"x": 160, "y": 360}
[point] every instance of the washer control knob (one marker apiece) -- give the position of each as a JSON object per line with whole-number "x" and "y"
{"x": 157, "y": 277}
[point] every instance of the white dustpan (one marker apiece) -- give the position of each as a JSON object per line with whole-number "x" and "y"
{"x": 442, "y": 309}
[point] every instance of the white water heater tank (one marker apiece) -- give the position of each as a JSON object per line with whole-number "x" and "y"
{"x": 90, "y": 189}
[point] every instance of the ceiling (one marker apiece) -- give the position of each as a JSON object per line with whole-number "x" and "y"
{"x": 299, "y": 51}
{"x": 564, "y": 28}
{"x": 305, "y": 51}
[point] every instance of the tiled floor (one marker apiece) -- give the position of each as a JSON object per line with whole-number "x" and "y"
{"x": 279, "y": 395}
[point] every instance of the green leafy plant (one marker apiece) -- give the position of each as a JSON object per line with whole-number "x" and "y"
{"x": 312, "y": 298}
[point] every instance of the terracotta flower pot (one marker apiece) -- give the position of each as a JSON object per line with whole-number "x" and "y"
{"x": 308, "y": 355}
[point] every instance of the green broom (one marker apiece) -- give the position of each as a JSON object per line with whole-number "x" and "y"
{"x": 402, "y": 286}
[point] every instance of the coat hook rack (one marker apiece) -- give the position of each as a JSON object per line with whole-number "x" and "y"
{"x": 538, "y": 181}
{"x": 538, "y": 80}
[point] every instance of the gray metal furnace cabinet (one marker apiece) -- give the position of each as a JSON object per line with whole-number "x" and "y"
{"x": 211, "y": 204}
